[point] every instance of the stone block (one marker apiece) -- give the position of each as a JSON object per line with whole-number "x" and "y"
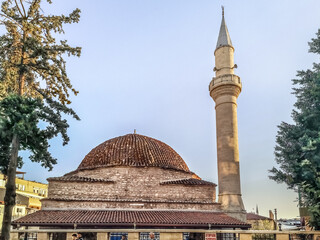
{"x": 171, "y": 236}
{"x": 42, "y": 236}
{"x": 102, "y": 236}
{"x": 14, "y": 236}
{"x": 316, "y": 236}
{"x": 133, "y": 236}
{"x": 69, "y": 235}
{"x": 245, "y": 236}
{"x": 282, "y": 236}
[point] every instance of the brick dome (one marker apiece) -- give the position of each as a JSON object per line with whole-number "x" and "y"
{"x": 133, "y": 150}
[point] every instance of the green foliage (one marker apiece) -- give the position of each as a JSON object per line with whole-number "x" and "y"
{"x": 22, "y": 115}
{"x": 298, "y": 145}
{"x": 30, "y": 58}
{"x": 34, "y": 88}
{"x": 32, "y": 65}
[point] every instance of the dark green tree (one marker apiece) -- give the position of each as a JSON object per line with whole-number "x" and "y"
{"x": 34, "y": 87}
{"x": 297, "y": 148}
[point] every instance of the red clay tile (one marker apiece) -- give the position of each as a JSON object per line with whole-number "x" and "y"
{"x": 159, "y": 218}
{"x": 133, "y": 150}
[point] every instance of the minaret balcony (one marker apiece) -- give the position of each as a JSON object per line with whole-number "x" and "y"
{"x": 227, "y": 79}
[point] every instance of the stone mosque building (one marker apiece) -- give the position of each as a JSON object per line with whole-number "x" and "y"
{"x": 134, "y": 181}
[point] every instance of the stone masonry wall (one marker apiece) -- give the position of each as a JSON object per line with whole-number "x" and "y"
{"x": 131, "y": 184}
{"x": 54, "y": 204}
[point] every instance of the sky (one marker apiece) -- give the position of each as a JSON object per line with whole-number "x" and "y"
{"x": 146, "y": 65}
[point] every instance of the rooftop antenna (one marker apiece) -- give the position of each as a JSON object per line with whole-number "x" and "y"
{"x": 222, "y": 11}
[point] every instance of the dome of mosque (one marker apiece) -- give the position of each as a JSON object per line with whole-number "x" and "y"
{"x": 133, "y": 150}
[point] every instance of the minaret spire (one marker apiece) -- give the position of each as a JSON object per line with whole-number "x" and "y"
{"x": 224, "y": 37}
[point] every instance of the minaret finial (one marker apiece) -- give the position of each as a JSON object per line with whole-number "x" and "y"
{"x": 222, "y": 11}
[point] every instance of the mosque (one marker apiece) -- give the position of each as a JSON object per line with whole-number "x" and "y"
{"x": 135, "y": 181}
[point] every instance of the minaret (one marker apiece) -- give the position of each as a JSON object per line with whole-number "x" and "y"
{"x": 225, "y": 89}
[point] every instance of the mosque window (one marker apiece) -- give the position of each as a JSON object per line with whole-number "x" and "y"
{"x": 118, "y": 235}
{"x": 145, "y": 236}
{"x": 57, "y": 236}
{"x": 186, "y": 236}
{"x": 29, "y": 236}
{"x": 227, "y": 236}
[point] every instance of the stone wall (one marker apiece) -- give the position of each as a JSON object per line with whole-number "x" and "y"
{"x": 266, "y": 224}
{"x": 63, "y": 204}
{"x": 131, "y": 185}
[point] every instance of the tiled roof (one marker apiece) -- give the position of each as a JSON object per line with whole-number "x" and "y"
{"x": 78, "y": 179}
{"x": 133, "y": 150}
{"x": 116, "y": 218}
{"x": 188, "y": 181}
{"x": 253, "y": 216}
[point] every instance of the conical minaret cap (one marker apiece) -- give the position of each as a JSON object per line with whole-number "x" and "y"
{"x": 224, "y": 37}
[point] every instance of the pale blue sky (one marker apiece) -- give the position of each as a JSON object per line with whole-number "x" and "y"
{"x": 147, "y": 64}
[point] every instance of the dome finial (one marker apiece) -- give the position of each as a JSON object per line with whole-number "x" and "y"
{"x": 222, "y": 11}
{"x": 134, "y": 131}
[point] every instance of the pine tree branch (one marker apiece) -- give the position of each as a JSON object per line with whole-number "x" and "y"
{"x": 24, "y": 10}
{"x": 11, "y": 19}
{"x": 18, "y": 8}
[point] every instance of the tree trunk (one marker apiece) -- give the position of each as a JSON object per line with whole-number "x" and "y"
{"x": 10, "y": 196}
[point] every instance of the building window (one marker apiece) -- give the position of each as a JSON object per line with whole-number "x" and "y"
{"x": 185, "y": 236}
{"x": 57, "y": 236}
{"x": 118, "y": 235}
{"x": 19, "y": 210}
{"x": 227, "y": 236}
{"x": 28, "y": 236}
{"x": 145, "y": 236}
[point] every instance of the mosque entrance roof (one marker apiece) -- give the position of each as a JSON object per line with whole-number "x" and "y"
{"x": 130, "y": 219}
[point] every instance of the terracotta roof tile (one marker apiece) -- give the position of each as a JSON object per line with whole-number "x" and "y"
{"x": 133, "y": 150}
{"x": 109, "y": 218}
{"x": 188, "y": 181}
{"x": 78, "y": 179}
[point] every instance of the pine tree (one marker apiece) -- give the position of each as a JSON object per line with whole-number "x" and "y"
{"x": 34, "y": 87}
{"x": 297, "y": 148}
